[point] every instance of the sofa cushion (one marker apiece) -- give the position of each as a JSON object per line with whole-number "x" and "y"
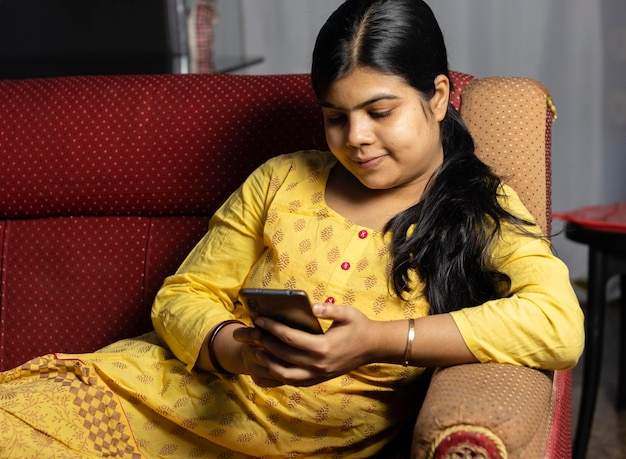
{"x": 77, "y": 284}
{"x": 107, "y": 182}
{"x": 144, "y": 145}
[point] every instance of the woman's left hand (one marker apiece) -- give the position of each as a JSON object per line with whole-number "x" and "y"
{"x": 298, "y": 358}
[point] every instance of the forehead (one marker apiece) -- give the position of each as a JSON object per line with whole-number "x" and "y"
{"x": 363, "y": 84}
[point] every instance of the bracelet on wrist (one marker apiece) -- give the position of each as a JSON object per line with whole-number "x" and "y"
{"x": 212, "y": 357}
{"x": 409, "y": 342}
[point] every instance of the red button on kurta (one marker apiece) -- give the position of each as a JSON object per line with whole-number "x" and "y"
{"x": 345, "y": 266}
{"x": 363, "y": 234}
{"x": 330, "y": 299}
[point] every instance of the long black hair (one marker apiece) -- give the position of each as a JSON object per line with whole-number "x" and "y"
{"x": 446, "y": 238}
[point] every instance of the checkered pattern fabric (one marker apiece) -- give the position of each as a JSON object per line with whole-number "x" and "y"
{"x": 65, "y": 399}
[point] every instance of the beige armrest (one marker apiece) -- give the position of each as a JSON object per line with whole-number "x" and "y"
{"x": 509, "y": 405}
{"x": 510, "y": 119}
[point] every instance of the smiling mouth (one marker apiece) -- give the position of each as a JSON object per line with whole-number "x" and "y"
{"x": 370, "y": 163}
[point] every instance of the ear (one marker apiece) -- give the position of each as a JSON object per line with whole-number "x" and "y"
{"x": 439, "y": 102}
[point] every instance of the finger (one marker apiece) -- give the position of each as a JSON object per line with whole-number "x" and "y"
{"x": 281, "y": 354}
{"x": 258, "y": 369}
{"x": 278, "y": 335}
{"x": 261, "y": 376}
{"x": 292, "y": 374}
{"x": 336, "y": 313}
{"x": 267, "y": 382}
{"x": 248, "y": 335}
{"x": 275, "y": 372}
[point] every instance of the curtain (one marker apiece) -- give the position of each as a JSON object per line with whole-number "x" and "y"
{"x": 577, "y": 48}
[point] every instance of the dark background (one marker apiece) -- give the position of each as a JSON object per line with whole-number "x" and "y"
{"x": 40, "y": 38}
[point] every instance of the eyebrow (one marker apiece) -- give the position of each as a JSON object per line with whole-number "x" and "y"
{"x": 326, "y": 104}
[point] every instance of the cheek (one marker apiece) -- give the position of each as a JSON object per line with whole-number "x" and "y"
{"x": 400, "y": 135}
{"x": 334, "y": 136}
{"x": 413, "y": 130}
{"x": 412, "y": 141}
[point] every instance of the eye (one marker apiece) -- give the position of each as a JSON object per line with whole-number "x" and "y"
{"x": 380, "y": 114}
{"x": 337, "y": 118}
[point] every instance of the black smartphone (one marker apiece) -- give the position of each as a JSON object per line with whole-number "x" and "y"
{"x": 290, "y": 307}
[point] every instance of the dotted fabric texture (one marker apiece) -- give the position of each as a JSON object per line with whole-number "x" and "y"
{"x": 160, "y": 153}
{"x": 508, "y": 120}
{"x": 107, "y": 182}
{"x": 515, "y": 400}
{"x": 144, "y": 145}
{"x": 560, "y": 442}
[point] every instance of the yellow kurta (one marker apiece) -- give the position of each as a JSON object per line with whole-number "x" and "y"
{"x": 276, "y": 231}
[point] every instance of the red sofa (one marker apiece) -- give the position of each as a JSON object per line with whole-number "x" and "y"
{"x": 107, "y": 182}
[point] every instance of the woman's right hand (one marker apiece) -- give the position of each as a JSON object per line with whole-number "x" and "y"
{"x": 239, "y": 350}
{"x": 249, "y": 339}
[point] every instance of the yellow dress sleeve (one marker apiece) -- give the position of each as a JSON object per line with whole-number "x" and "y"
{"x": 540, "y": 324}
{"x": 204, "y": 289}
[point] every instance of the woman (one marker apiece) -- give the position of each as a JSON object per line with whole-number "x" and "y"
{"x": 413, "y": 251}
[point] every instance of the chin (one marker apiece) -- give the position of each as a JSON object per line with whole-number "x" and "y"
{"x": 375, "y": 185}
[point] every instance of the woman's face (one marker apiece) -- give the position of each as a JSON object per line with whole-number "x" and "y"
{"x": 382, "y": 131}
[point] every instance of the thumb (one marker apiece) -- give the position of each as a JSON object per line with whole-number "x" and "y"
{"x": 332, "y": 312}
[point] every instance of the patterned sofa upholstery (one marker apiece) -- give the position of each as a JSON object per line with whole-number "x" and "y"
{"x": 107, "y": 182}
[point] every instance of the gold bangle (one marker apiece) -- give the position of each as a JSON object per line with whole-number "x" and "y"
{"x": 409, "y": 342}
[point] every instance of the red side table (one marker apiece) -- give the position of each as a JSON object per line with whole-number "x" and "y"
{"x": 603, "y": 230}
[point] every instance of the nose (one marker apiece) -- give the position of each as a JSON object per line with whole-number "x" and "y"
{"x": 359, "y": 132}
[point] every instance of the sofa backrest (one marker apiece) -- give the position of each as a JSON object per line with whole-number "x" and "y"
{"x": 107, "y": 182}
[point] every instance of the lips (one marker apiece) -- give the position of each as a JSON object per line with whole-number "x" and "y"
{"x": 369, "y": 163}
